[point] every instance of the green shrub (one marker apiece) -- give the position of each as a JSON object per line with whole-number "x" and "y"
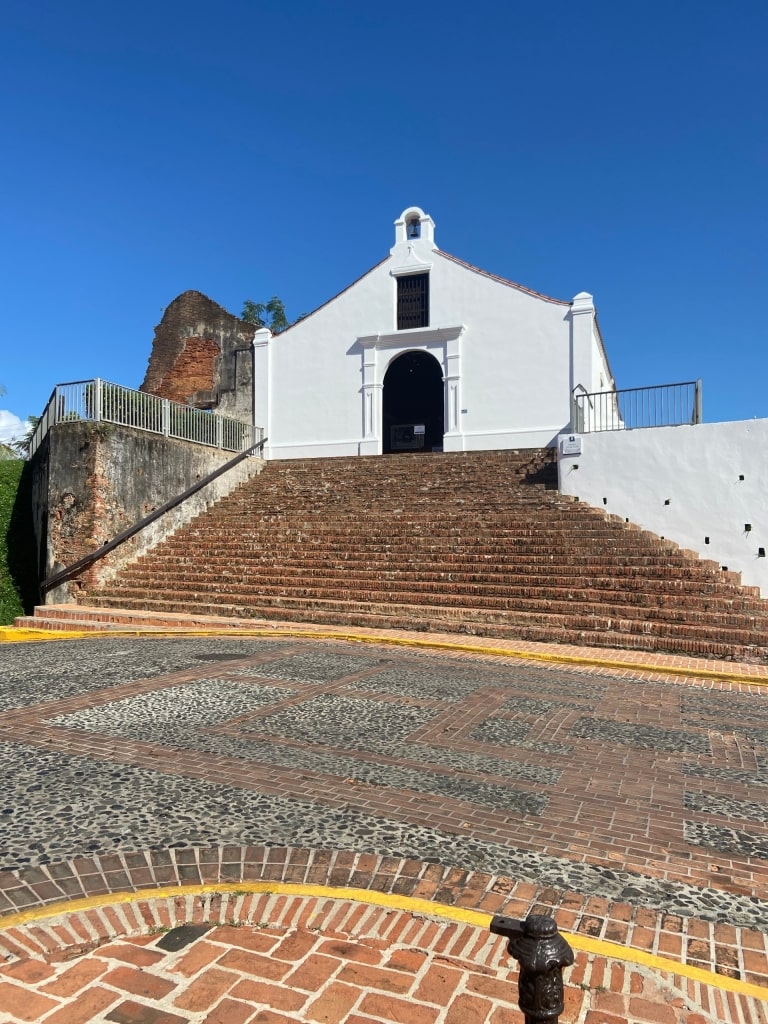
{"x": 18, "y": 576}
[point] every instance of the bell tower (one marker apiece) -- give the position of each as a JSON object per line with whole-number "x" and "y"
{"x": 416, "y": 228}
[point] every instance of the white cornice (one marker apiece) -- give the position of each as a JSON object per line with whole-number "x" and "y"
{"x": 411, "y": 268}
{"x": 262, "y": 337}
{"x": 417, "y": 336}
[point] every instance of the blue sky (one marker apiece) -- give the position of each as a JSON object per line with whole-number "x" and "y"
{"x": 265, "y": 148}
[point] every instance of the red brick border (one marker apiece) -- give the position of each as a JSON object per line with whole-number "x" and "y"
{"x": 733, "y": 951}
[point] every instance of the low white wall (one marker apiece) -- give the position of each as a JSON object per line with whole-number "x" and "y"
{"x": 714, "y": 476}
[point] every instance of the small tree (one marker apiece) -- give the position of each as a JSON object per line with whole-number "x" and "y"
{"x": 22, "y": 444}
{"x": 266, "y": 314}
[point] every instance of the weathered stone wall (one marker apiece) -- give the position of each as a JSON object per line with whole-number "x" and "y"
{"x": 40, "y": 468}
{"x": 93, "y": 480}
{"x": 202, "y": 355}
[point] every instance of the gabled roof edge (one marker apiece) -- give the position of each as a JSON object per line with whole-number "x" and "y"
{"x": 603, "y": 349}
{"x": 336, "y": 296}
{"x": 502, "y": 280}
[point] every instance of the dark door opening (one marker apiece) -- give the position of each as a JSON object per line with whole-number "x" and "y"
{"x": 413, "y": 408}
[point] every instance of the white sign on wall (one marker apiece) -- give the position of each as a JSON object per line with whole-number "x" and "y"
{"x": 570, "y": 444}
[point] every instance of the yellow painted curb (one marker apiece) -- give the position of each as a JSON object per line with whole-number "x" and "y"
{"x": 407, "y": 904}
{"x": 12, "y": 634}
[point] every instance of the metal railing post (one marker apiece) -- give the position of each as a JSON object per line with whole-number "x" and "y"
{"x": 697, "y": 414}
{"x": 97, "y": 410}
{"x": 542, "y": 953}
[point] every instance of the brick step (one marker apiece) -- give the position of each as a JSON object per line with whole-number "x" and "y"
{"x": 405, "y": 537}
{"x": 632, "y": 576}
{"x": 83, "y": 624}
{"x": 423, "y": 502}
{"x": 432, "y": 513}
{"x": 445, "y": 521}
{"x": 247, "y": 581}
{"x": 467, "y": 487}
{"x": 402, "y": 466}
{"x": 695, "y": 624}
{"x": 673, "y": 613}
{"x": 474, "y": 542}
{"x": 446, "y": 524}
{"x": 409, "y": 552}
{"x": 536, "y": 521}
{"x": 413, "y": 548}
{"x": 455, "y": 494}
{"x": 399, "y": 554}
{"x": 441, "y": 531}
{"x": 411, "y": 619}
{"x": 508, "y": 582}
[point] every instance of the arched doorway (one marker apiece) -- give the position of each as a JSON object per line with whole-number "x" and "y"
{"x": 413, "y": 406}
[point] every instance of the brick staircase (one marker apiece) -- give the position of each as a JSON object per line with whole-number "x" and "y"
{"x": 476, "y": 543}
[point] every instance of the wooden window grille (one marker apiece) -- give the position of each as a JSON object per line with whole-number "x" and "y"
{"x": 412, "y": 301}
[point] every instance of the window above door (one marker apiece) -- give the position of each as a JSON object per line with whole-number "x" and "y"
{"x": 412, "y": 301}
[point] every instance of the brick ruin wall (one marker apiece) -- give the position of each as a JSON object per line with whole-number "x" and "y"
{"x": 93, "y": 480}
{"x": 202, "y": 355}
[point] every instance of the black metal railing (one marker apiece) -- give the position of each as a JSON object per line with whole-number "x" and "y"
{"x": 664, "y": 405}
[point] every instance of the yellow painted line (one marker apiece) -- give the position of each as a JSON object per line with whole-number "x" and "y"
{"x": 406, "y": 904}
{"x": 14, "y": 635}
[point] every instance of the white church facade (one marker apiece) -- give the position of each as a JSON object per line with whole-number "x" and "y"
{"x": 425, "y": 352}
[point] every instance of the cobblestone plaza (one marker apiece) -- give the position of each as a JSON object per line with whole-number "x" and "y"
{"x": 632, "y": 792}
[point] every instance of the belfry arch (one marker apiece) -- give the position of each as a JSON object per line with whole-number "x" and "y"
{"x": 413, "y": 404}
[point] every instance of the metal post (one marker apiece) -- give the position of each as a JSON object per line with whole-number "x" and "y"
{"x": 542, "y": 953}
{"x": 697, "y": 413}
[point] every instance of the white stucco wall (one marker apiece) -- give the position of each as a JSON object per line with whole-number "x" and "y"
{"x": 714, "y": 476}
{"x": 507, "y": 357}
{"x": 602, "y": 378}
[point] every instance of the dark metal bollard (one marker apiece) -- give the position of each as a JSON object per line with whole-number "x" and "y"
{"x": 543, "y": 953}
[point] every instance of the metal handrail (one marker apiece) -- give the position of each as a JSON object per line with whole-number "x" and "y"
{"x": 663, "y": 405}
{"x": 131, "y": 531}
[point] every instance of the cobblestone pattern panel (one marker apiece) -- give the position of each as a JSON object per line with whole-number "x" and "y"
{"x": 332, "y": 761}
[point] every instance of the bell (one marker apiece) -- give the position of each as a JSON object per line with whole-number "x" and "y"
{"x": 414, "y": 229}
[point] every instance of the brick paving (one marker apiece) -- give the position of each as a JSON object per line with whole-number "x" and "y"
{"x": 630, "y": 803}
{"x": 273, "y": 958}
